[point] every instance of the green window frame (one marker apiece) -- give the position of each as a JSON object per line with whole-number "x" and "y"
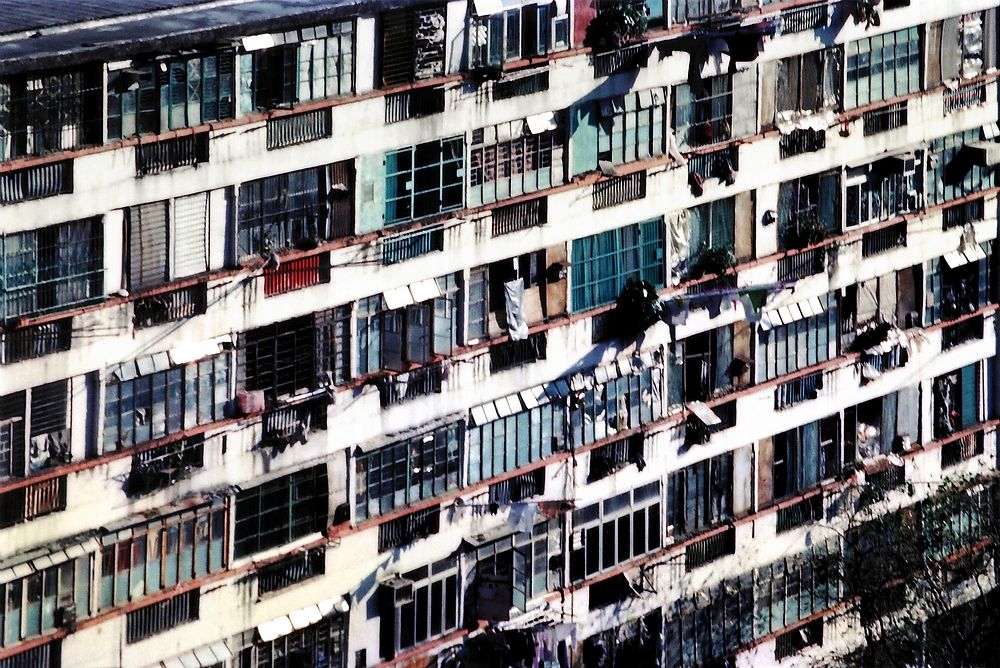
{"x": 602, "y": 263}
{"x": 700, "y": 496}
{"x": 882, "y": 67}
{"x": 400, "y": 474}
{"x": 632, "y": 126}
{"x": 424, "y": 180}
{"x": 799, "y": 344}
{"x": 703, "y": 114}
{"x": 281, "y": 510}
{"x": 29, "y": 606}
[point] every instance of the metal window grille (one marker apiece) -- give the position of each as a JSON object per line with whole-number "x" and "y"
{"x": 519, "y": 216}
{"x": 413, "y": 104}
{"x": 958, "y": 215}
{"x": 518, "y": 488}
{"x": 419, "y": 382}
{"x": 35, "y": 182}
{"x": 801, "y": 512}
{"x": 167, "y": 154}
{"x": 282, "y": 574}
{"x": 709, "y": 549}
{"x": 619, "y": 190}
{"x": 36, "y": 340}
{"x": 962, "y": 332}
{"x": 885, "y": 118}
{"x": 509, "y": 354}
{"x": 408, "y": 528}
{"x": 526, "y": 85}
{"x": 621, "y": 60}
{"x": 163, "y": 466}
{"x": 965, "y": 96}
{"x": 962, "y": 449}
{"x": 801, "y": 141}
{"x": 801, "y": 19}
{"x": 296, "y": 274}
{"x": 43, "y": 656}
{"x": 883, "y": 239}
{"x": 795, "y": 266}
{"x": 798, "y": 390}
{"x": 285, "y": 131}
{"x": 161, "y": 616}
{"x": 408, "y": 245}
{"x": 169, "y": 306}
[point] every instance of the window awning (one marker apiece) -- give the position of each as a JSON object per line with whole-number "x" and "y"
{"x": 424, "y": 290}
{"x": 540, "y": 123}
{"x": 257, "y": 42}
{"x": 46, "y": 557}
{"x": 972, "y": 253}
{"x": 190, "y": 352}
{"x": 704, "y": 413}
{"x": 397, "y": 298}
{"x": 203, "y": 657}
{"x": 300, "y": 619}
{"x": 790, "y": 313}
{"x": 985, "y": 153}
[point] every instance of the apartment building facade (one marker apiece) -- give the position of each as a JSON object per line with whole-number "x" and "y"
{"x": 311, "y": 351}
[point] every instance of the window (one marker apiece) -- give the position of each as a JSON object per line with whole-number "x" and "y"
{"x": 808, "y": 208}
{"x": 48, "y": 269}
{"x": 804, "y": 456}
{"x": 280, "y": 511}
{"x": 283, "y": 211}
{"x": 424, "y": 180}
{"x": 429, "y": 607}
{"x": 411, "y": 333}
{"x": 488, "y": 293}
{"x": 166, "y": 240}
{"x": 957, "y": 401}
{"x": 953, "y": 170}
{"x": 703, "y": 112}
{"x": 712, "y": 623}
{"x": 170, "y": 94}
{"x": 512, "y": 570}
{"x": 882, "y": 67}
{"x": 878, "y": 426}
{"x": 398, "y": 475}
{"x": 413, "y": 45}
{"x": 700, "y": 496}
{"x": 317, "y": 63}
{"x": 697, "y": 231}
{"x": 792, "y": 589}
{"x": 512, "y": 159}
{"x": 614, "y": 531}
{"x": 701, "y": 365}
{"x": 603, "y": 263}
{"x": 142, "y": 403}
{"x": 802, "y": 341}
{"x": 684, "y": 11}
{"x": 955, "y": 286}
{"x": 153, "y": 556}
{"x": 808, "y": 82}
{"x": 531, "y": 30}
{"x": 882, "y": 190}
{"x": 43, "y": 441}
{"x": 632, "y": 127}
{"x": 296, "y": 355}
{"x": 628, "y": 398}
{"x": 57, "y": 111}
{"x": 497, "y": 445}
{"x": 319, "y": 645}
{"x": 44, "y": 601}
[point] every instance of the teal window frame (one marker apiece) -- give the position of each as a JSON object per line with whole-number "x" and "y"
{"x": 882, "y": 67}
{"x": 602, "y": 263}
{"x": 424, "y": 180}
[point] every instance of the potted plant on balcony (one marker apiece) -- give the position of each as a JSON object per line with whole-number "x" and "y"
{"x": 637, "y": 308}
{"x": 615, "y": 25}
{"x": 711, "y": 260}
{"x": 805, "y": 230}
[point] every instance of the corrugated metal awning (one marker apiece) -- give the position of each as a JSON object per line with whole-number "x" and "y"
{"x": 704, "y": 413}
{"x": 300, "y": 619}
{"x": 971, "y": 253}
{"x": 790, "y": 313}
{"x": 203, "y": 657}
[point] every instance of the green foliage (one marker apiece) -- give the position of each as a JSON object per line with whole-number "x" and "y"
{"x": 808, "y": 230}
{"x": 637, "y": 308}
{"x": 615, "y": 25}
{"x": 711, "y": 260}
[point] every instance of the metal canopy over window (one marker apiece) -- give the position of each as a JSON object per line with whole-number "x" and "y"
{"x": 300, "y": 619}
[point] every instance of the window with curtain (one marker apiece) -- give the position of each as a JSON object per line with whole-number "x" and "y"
{"x": 957, "y": 401}
{"x": 703, "y": 112}
{"x": 801, "y": 343}
{"x": 51, "y": 268}
{"x": 161, "y": 554}
{"x": 603, "y": 263}
{"x": 882, "y": 67}
{"x": 170, "y": 94}
{"x": 700, "y": 496}
{"x": 808, "y": 82}
{"x": 632, "y": 126}
{"x": 397, "y": 475}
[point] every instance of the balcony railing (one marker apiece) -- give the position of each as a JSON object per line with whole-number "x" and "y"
{"x": 292, "y": 570}
{"x": 286, "y": 425}
{"x": 798, "y": 390}
{"x": 962, "y": 449}
{"x": 518, "y": 488}
{"x": 798, "y": 266}
{"x": 402, "y": 387}
{"x": 162, "y": 615}
{"x": 509, "y": 354}
{"x": 169, "y": 306}
{"x": 885, "y": 118}
{"x": 619, "y": 190}
{"x": 883, "y": 239}
{"x": 801, "y": 141}
{"x": 715, "y": 546}
{"x": 163, "y": 466}
{"x": 800, "y": 19}
{"x": 296, "y": 274}
{"x": 167, "y": 154}
{"x": 611, "y": 457}
{"x": 526, "y": 85}
{"x": 621, "y": 60}
{"x": 962, "y": 332}
{"x": 887, "y": 479}
{"x": 33, "y": 341}
{"x": 519, "y": 216}
{"x": 408, "y": 528}
{"x": 26, "y": 503}
{"x": 413, "y": 104}
{"x": 963, "y": 213}
{"x": 966, "y": 95}
{"x": 54, "y": 178}
{"x": 894, "y": 358}
{"x": 298, "y": 129}
{"x": 809, "y": 509}
{"x": 409, "y": 245}
{"x": 721, "y": 164}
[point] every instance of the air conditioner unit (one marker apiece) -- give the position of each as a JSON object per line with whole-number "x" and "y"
{"x": 396, "y": 592}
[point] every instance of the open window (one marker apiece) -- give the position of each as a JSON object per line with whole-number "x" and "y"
{"x": 700, "y": 496}
{"x": 958, "y": 283}
{"x": 700, "y": 365}
{"x": 800, "y": 458}
{"x": 808, "y": 82}
{"x": 34, "y": 429}
{"x": 957, "y": 401}
{"x": 808, "y": 209}
{"x": 489, "y": 295}
{"x": 413, "y": 42}
{"x": 881, "y": 425}
{"x": 884, "y": 189}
